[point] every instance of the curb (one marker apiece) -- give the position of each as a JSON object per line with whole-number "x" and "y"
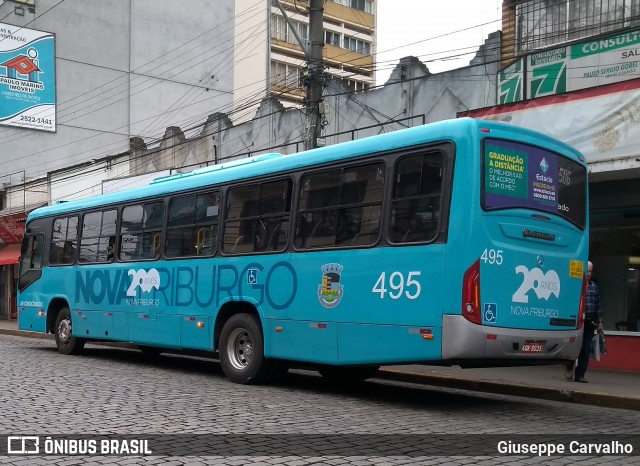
{"x": 604, "y": 400}
{"x": 22, "y": 333}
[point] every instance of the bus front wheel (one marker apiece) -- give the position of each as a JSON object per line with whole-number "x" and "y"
{"x": 242, "y": 350}
{"x": 66, "y": 342}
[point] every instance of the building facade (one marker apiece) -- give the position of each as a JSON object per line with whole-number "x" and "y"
{"x": 113, "y": 132}
{"x": 571, "y": 69}
{"x": 80, "y": 79}
{"x": 270, "y": 61}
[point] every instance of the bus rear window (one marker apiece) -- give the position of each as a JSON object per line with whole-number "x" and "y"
{"x": 521, "y": 175}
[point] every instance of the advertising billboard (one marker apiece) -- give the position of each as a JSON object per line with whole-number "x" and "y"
{"x": 27, "y": 78}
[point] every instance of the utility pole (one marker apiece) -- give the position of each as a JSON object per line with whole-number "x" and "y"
{"x": 314, "y": 74}
{"x": 315, "y": 78}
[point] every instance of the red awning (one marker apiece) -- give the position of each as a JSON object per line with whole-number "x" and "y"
{"x": 10, "y": 254}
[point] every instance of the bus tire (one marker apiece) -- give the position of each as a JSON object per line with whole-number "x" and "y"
{"x": 346, "y": 375}
{"x": 242, "y": 350}
{"x": 66, "y": 342}
{"x": 150, "y": 351}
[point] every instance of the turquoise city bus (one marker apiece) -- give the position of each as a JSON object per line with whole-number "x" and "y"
{"x": 460, "y": 242}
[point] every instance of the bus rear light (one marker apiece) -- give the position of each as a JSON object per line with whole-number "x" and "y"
{"x": 471, "y": 294}
{"x": 426, "y": 334}
{"x": 492, "y": 337}
{"x": 583, "y": 297}
{"x": 485, "y": 130}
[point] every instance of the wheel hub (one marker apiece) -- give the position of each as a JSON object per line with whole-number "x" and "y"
{"x": 64, "y": 331}
{"x": 241, "y": 349}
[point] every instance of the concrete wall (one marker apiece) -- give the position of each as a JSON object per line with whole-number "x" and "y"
{"x": 181, "y": 62}
{"x": 84, "y": 180}
{"x": 412, "y": 94}
{"x": 251, "y": 57}
{"x": 123, "y": 68}
{"x": 88, "y": 152}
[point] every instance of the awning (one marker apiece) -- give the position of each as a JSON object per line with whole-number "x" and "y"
{"x": 10, "y": 254}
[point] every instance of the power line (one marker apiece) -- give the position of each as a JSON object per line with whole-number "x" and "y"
{"x": 450, "y": 77}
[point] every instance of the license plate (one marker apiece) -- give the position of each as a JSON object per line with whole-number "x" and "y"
{"x": 532, "y": 347}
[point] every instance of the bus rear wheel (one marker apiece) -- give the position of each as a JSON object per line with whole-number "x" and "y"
{"x": 66, "y": 342}
{"x": 150, "y": 351}
{"x": 345, "y": 375}
{"x": 242, "y": 350}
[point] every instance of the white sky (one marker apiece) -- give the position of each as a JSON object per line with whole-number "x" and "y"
{"x": 409, "y": 27}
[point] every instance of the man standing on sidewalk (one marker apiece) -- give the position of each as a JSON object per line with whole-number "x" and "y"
{"x": 592, "y": 322}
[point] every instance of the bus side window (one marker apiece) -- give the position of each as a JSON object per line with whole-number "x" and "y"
{"x": 141, "y": 231}
{"x": 340, "y": 207}
{"x": 275, "y": 206}
{"x": 415, "y": 209}
{"x": 257, "y": 217}
{"x": 97, "y": 237}
{"x": 64, "y": 241}
{"x": 31, "y": 257}
{"x": 192, "y": 226}
{"x": 317, "y": 214}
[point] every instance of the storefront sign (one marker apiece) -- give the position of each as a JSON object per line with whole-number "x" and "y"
{"x": 603, "y": 123}
{"x": 580, "y": 66}
{"x": 12, "y": 228}
{"x": 510, "y": 82}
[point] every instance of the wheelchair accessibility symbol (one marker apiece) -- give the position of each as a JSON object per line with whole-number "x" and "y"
{"x": 490, "y": 313}
{"x": 252, "y": 276}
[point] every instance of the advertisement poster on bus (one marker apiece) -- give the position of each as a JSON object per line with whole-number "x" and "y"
{"x": 579, "y": 66}
{"x": 27, "y": 78}
{"x": 521, "y": 175}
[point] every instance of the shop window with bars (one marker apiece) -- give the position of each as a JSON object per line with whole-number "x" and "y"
{"x": 544, "y": 23}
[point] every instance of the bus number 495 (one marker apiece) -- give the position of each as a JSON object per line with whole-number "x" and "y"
{"x": 492, "y": 256}
{"x": 398, "y": 285}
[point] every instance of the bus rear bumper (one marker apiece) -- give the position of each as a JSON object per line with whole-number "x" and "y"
{"x": 462, "y": 339}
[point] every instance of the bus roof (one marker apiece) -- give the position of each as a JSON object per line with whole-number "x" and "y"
{"x": 266, "y": 164}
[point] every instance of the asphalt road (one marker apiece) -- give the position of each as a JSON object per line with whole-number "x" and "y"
{"x": 191, "y": 413}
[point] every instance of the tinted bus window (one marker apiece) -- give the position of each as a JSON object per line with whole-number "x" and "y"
{"x": 520, "y": 175}
{"x": 257, "y": 217}
{"x": 340, "y": 207}
{"x": 31, "y": 257}
{"x": 417, "y": 191}
{"x": 141, "y": 231}
{"x": 64, "y": 241}
{"x": 192, "y": 228}
{"x": 98, "y": 236}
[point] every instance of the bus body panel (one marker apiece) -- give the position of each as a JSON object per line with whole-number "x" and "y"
{"x": 531, "y": 263}
{"x": 381, "y": 304}
{"x": 29, "y": 318}
{"x": 385, "y": 286}
{"x": 531, "y": 283}
{"x": 467, "y": 341}
{"x": 388, "y": 344}
{"x": 303, "y": 340}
